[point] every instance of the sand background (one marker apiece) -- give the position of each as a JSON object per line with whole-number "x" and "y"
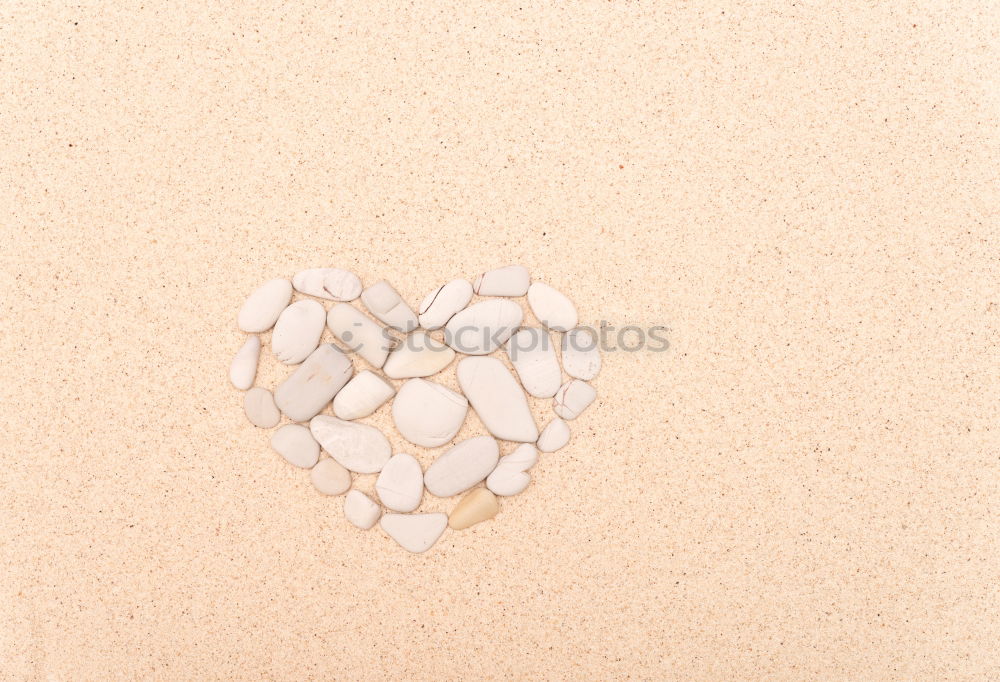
{"x": 805, "y": 486}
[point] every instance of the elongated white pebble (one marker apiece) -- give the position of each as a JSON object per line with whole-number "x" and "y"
{"x": 359, "y": 333}
{"x": 358, "y": 447}
{"x": 428, "y": 414}
{"x": 572, "y": 398}
{"x": 497, "y": 398}
{"x": 551, "y": 307}
{"x": 441, "y": 304}
{"x": 581, "y": 357}
{"x": 554, "y": 435}
{"x": 332, "y": 284}
{"x": 512, "y": 280}
{"x": 362, "y": 395}
{"x": 477, "y": 506}
{"x": 481, "y": 328}
{"x": 296, "y": 445}
{"x": 243, "y": 369}
{"x": 418, "y": 355}
{"x": 330, "y": 478}
{"x": 401, "y": 483}
{"x": 533, "y": 355}
{"x": 261, "y": 309}
{"x": 415, "y": 532}
{"x": 312, "y": 385}
{"x": 361, "y": 510}
{"x": 387, "y": 305}
{"x": 297, "y": 331}
{"x": 462, "y": 466}
{"x": 511, "y": 477}
{"x": 259, "y": 405}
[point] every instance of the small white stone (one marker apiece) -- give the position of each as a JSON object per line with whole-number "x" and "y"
{"x": 332, "y": 284}
{"x": 511, "y": 477}
{"x": 264, "y": 305}
{"x": 533, "y": 355}
{"x": 462, "y": 466}
{"x": 418, "y": 355}
{"x": 551, "y": 307}
{"x": 258, "y": 403}
{"x": 360, "y": 448}
{"x": 360, "y": 510}
{"x": 387, "y": 305}
{"x": 481, "y": 328}
{"x": 297, "y": 332}
{"x": 243, "y": 369}
{"x": 401, "y": 483}
{"x": 428, "y": 414}
{"x": 581, "y": 357}
{"x": 362, "y": 395}
{"x": 360, "y": 333}
{"x": 440, "y": 305}
{"x": 554, "y": 435}
{"x": 572, "y": 398}
{"x": 330, "y": 478}
{"x": 512, "y": 280}
{"x": 497, "y": 398}
{"x": 415, "y": 532}
{"x": 296, "y": 445}
{"x": 312, "y": 385}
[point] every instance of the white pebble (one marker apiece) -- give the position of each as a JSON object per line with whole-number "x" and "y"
{"x": 509, "y": 281}
{"x": 387, "y": 305}
{"x": 551, "y": 307}
{"x": 572, "y": 398}
{"x": 533, "y": 355}
{"x": 481, "y": 328}
{"x": 296, "y": 445}
{"x": 330, "y": 478}
{"x": 312, "y": 385}
{"x": 511, "y": 477}
{"x": 362, "y": 395}
{"x": 297, "y": 332}
{"x": 554, "y": 435}
{"x": 440, "y": 305}
{"x": 360, "y": 510}
{"x": 332, "y": 284}
{"x": 243, "y": 369}
{"x": 359, "y": 333}
{"x": 361, "y": 448}
{"x": 580, "y": 355}
{"x": 428, "y": 414}
{"x": 264, "y": 305}
{"x": 401, "y": 483}
{"x": 418, "y": 355}
{"x": 258, "y": 403}
{"x": 497, "y": 398}
{"x": 415, "y": 532}
{"x": 462, "y": 466}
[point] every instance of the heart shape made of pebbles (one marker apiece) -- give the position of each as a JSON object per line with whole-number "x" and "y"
{"x": 403, "y": 350}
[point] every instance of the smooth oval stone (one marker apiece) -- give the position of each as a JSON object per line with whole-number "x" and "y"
{"x": 462, "y": 466}
{"x": 551, "y": 307}
{"x": 533, "y": 355}
{"x": 511, "y": 477}
{"x": 497, "y": 398}
{"x": 330, "y": 478}
{"x": 481, "y": 328}
{"x": 360, "y": 448}
{"x": 512, "y": 280}
{"x": 332, "y": 284}
{"x": 259, "y": 405}
{"x": 297, "y": 331}
{"x": 360, "y": 333}
{"x": 243, "y": 369}
{"x": 387, "y": 305}
{"x": 296, "y": 445}
{"x": 572, "y": 398}
{"x": 554, "y": 436}
{"x": 362, "y": 395}
{"x": 418, "y": 355}
{"x": 264, "y": 305}
{"x": 360, "y": 510}
{"x": 415, "y": 532}
{"x": 440, "y": 305}
{"x": 477, "y": 506}
{"x": 314, "y": 383}
{"x": 428, "y": 414}
{"x": 581, "y": 357}
{"x": 401, "y": 483}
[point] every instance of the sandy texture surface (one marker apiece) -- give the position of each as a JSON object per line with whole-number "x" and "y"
{"x": 805, "y": 486}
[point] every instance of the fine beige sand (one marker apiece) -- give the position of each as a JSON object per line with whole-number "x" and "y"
{"x": 806, "y": 485}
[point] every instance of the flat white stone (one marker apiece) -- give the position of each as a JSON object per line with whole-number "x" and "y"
{"x": 418, "y": 355}
{"x": 360, "y": 333}
{"x": 296, "y": 445}
{"x": 511, "y": 477}
{"x": 462, "y": 466}
{"x": 312, "y": 385}
{"x": 360, "y": 448}
{"x": 497, "y": 398}
{"x": 415, "y": 532}
{"x": 401, "y": 483}
{"x": 387, "y": 305}
{"x": 259, "y": 405}
{"x": 533, "y": 355}
{"x": 297, "y": 332}
{"x": 428, "y": 414}
{"x": 581, "y": 357}
{"x": 512, "y": 280}
{"x": 572, "y": 398}
{"x": 332, "y": 284}
{"x": 330, "y": 478}
{"x": 441, "y": 304}
{"x": 481, "y": 328}
{"x": 362, "y": 395}
{"x": 261, "y": 309}
{"x": 360, "y": 510}
{"x": 554, "y": 435}
{"x": 243, "y": 369}
{"x": 551, "y": 307}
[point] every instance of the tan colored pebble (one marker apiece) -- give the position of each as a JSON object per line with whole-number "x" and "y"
{"x": 479, "y": 505}
{"x": 259, "y": 405}
{"x": 330, "y": 478}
